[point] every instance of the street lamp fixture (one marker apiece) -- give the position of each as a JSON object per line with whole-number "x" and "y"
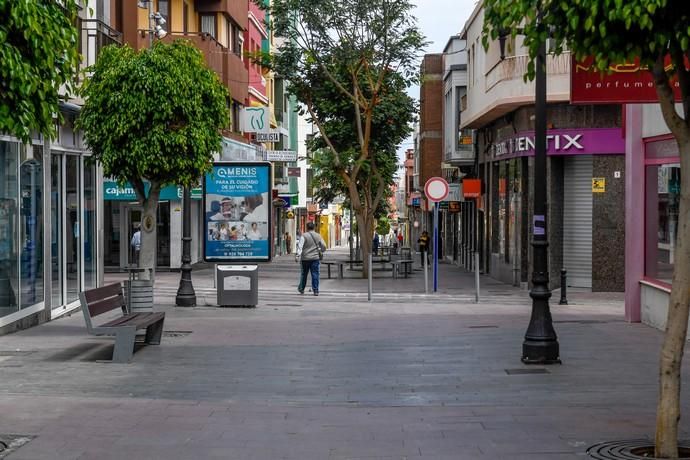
{"x": 186, "y": 297}
{"x": 541, "y": 343}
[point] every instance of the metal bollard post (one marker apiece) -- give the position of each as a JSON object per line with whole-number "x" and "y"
{"x": 563, "y": 300}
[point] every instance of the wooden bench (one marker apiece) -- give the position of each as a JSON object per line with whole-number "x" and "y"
{"x": 406, "y": 265}
{"x": 340, "y": 266}
{"x": 95, "y": 302}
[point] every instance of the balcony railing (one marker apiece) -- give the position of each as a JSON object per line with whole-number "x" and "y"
{"x": 94, "y": 36}
{"x": 515, "y": 67}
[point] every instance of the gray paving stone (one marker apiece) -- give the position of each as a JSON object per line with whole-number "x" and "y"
{"x": 336, "y": 377}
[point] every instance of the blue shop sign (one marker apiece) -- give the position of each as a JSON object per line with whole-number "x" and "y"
{"x": 113, "y": 192}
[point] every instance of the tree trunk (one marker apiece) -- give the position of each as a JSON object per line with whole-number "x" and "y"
{"x": 364, "y": 226}
{"x": 668, "y": 409}
{"x": 149, "y": 226}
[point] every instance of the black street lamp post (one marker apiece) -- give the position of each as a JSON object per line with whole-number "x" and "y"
{"x": 186, "y": 297}
{"x": 541, "y": 343}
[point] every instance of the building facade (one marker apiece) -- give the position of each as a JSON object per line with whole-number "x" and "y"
{"x": 652, "y": 203}
{"x": 51, "y": 213}
{"x": 585, "y": 169}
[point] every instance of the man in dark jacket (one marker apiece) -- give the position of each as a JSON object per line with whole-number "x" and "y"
{"x": 309, "y": 248}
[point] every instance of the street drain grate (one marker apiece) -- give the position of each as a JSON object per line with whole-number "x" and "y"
{"x": 173, "y": 334}
{"x": 631, "y": 449}
{"x": 11, "y": 442}
{"x": 482, "y": 327}
{"x": 283, "y": 304}
{"x": 526, "y": 371}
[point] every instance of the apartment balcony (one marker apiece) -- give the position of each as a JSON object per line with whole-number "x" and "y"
{"x": 239, "y": 11}
{"x": 503, "y": 89}
{"x": 94, "y": 35}
{"x": 226, "y": 64}
{"x": 236, "y": 77}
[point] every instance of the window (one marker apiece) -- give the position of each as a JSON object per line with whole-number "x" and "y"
{"x": 185, "y": 18}
{"x": 164, "y": 10}
{"x": 235, "y": 40}
{"x": 208, "y": 24}
{"x": 661, "y": 221}
{"x": 235, "y": 114}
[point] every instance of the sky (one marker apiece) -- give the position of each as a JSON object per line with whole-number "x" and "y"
{"x": 438, "y": 20}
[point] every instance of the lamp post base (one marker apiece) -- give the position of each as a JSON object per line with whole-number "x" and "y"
{"x": 540, "y": 352}
{"x": 186, "y": 297}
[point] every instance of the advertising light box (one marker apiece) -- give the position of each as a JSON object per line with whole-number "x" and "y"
{"x": 237, "y": 212}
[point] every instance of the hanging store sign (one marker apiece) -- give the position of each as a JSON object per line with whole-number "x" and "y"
{"x": 454, "y": 193}
{"x": 577, "y": 141}
{"x": 255, "y": 120}
{"x": 237, "y": 206}
{"x": 471, "y": 188}
{"x": 268, "y": 137}
{"x": 622, "y": 84}
{"x": 294, "y": 172}
{"x": 281, "y": 155}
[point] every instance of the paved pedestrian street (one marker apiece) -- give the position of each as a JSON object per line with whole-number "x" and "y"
{"x": 405, "y": 376}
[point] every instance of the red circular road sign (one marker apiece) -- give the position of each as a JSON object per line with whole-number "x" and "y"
{"x": 436, "y": 189}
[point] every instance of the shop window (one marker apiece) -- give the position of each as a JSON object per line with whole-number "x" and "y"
{"x": 662, "y": 200}
{"x": 31, "y": 226}
{"x": 9, "y": 228}
{"x": 89, "y": 237}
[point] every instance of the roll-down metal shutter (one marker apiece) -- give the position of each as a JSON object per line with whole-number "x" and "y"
{"x": 577, "y": 220}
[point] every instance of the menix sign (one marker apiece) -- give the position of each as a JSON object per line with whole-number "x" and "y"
{"x": 572, "y": 141}
{"x": 622, "y": 84}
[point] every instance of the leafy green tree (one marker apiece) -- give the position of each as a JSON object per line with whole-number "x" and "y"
{"x": 617, "y": 32}
{"x": 391, "y": 124}
{"x": 383, "y": 226}
{"x": 38, "y": 55}
{"x": 153, "y": 116}
{"x": 347, "y": 49}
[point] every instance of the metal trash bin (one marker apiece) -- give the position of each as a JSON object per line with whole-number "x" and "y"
{"x": 139, "y": 295}
{"x": 237, "y": 285}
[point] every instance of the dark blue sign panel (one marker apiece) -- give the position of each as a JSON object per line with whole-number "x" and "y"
{"x": 237, "y": 212}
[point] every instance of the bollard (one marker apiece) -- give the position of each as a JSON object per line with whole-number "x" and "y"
{"x": 563, "y": 300}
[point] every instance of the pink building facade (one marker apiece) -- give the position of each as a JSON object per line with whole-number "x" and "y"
{"x": 652, "y": 199}
{"x": 256, "y": 39}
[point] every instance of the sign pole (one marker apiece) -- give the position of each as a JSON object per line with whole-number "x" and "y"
{"x": 435, "y": 246}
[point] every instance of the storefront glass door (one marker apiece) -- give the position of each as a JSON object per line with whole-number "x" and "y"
{"x": 56, "y": 231}
{"x": 72, "y": 231}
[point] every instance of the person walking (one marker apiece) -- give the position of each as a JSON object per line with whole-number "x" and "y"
{"x": 136, "y": 245}
{"x": 375, "y": 244}
{"x": 310, "y": 249}
{"x": 424, "y": 242}
{"x": 288, "y": 243}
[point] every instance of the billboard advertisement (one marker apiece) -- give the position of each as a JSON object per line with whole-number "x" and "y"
{"x": 237, "y": 212}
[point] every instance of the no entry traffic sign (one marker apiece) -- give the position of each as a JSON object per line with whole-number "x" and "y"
{"x": 436, "y": 189}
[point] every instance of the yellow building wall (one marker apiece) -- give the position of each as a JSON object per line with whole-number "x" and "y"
{"x": 323, "y": 229}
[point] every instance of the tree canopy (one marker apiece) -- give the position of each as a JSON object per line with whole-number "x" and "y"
{"x": 348, "y": 50}
{"x": 657, "y": 33}
{"x": 391, "y": 124}
{"x": 38, "y": 56}
{"x": 154, "y": 114}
